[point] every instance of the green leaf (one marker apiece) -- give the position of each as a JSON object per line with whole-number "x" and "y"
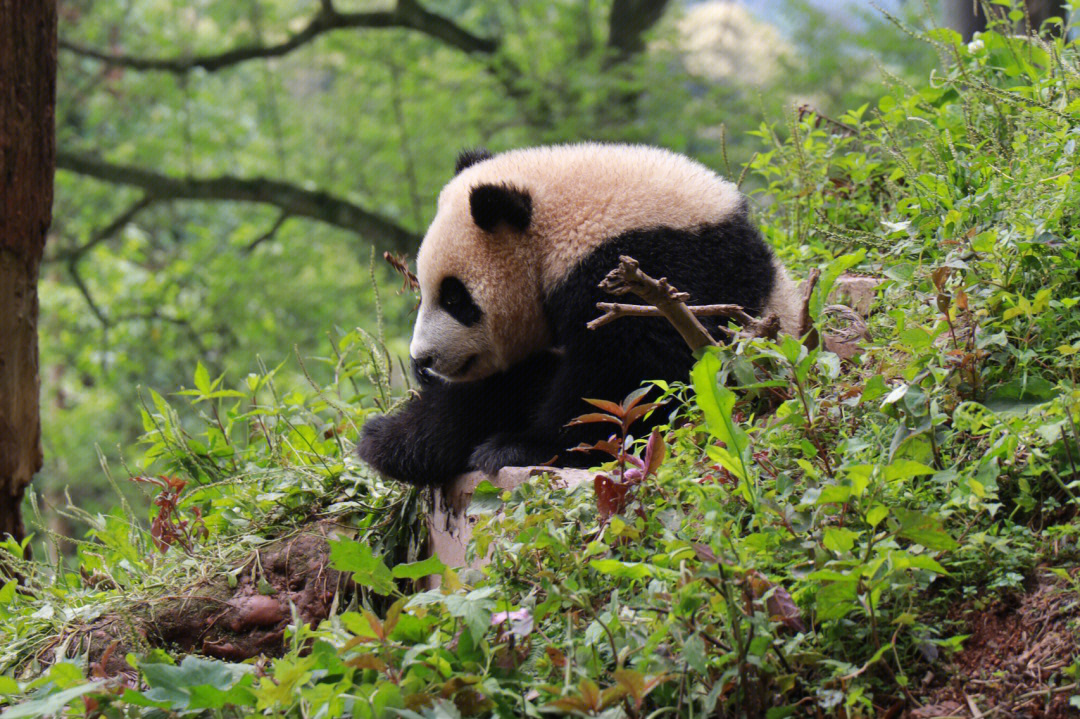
{"x": 875, "y": 514}
{"x": 839, "y": 540}
{"x": 202, "y": 378}
{"x": 716, "y": 402}
{"x": 474, "y": 609}
{"x": 828, "y": 278}
{"x": 415, "y": 570}
{"x": 835, "y": 600}
{"x": 51, "y": 705}
{"x": 905, "y": 468}
{"x": 368, "y": 570}
{"x": 694, "y": 653}
{"x": 924, "y": 530}
{"x": 197, "y": 683}
{"x": 622, "y": 570}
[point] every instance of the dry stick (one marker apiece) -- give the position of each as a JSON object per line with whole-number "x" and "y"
{"x": 806, "y": 288}
{"x": 628, "y": 278}
{"x": 668, "y": 302}
{"x": 615, "y": 310}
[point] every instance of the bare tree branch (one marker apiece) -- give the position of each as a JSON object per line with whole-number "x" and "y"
{"x": 615, "y": 310}
{"x": 628, "y": 278}
{"x": 294, "y": 200}
{"x": 106, "y": 232}
{"x": 407, "y": 14}
{"x": 269, "y": 234}
{"x": 669, "y": 303}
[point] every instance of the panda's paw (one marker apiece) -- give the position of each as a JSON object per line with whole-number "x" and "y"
{"x": 377, "y": 443}
{"x": 504, "y": 450}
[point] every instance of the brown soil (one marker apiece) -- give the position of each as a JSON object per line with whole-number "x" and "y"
{"x": 218, "y": 620}
{"x": 1011, "y": 665}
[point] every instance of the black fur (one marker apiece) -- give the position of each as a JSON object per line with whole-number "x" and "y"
{"x": 518, "y": 417}
{"x": 468, "y": 158}
{"x": 429, "y": 440}
{"x": 493, "y": 205}
{"x": 455, "y": 298}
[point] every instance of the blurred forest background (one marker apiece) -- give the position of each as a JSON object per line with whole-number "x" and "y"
{"x": 228, "y": 172}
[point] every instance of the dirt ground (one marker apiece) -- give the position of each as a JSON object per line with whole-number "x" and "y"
{"x": 1013, "y": 663}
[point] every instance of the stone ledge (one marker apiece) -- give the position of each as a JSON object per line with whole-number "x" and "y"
{"x": 450, "y": 525}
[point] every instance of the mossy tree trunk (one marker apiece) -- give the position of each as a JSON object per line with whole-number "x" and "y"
{"x": 27, "y": 164}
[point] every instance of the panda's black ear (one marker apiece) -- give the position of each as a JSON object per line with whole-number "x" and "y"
{"x": 470, "y": 157}
{"x": 492, "y": 205}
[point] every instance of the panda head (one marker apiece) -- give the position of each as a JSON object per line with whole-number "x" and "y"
{"x": 480, "y": 296}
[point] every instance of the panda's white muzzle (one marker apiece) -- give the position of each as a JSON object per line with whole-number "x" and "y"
{"x": 443, "y": 347}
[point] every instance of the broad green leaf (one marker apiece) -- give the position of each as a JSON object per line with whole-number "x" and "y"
{"x": 905, "y": 468}
{"x": 694, "y": 653}
{"x": 415, "y": 570}
{"x": 924, "y": 530}
{"x": 622, "y": 570}
{"x": 50, "y": 705}
{"x": 839, "y": 540}
{"x": 367, "y": 569}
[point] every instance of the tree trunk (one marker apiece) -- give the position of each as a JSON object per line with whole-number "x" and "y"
{"x": 967, "y": 17}
{"x": 27, "y": 164}
{"x": 964, "y": 16}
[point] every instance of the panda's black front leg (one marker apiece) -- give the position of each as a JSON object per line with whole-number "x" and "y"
{"x": 546, "y": 439}
{"x": 430, "y": 440}
{"x": 427, "y": 442}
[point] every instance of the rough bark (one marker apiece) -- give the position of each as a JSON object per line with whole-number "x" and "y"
{"x": 27, "y": 163}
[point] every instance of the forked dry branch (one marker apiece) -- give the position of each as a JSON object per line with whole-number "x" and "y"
{"x": 663, "y": 300}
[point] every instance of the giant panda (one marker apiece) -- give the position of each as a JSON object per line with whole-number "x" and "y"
{"x": 508, "y": 274}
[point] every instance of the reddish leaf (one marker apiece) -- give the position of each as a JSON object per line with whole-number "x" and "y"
{"x": 609, "y": 446}
{"x": 367, "y": 661}
{"x": 638, "y": 412}
{"x": 611, "y": 497}
{"x": 704, "y": 553}
{"x": 940, "y": 276}
{"x": 780, "y": 605}
{"x": 634, "y": 397}
{"x": 606, "y": 406}
{"x": 654, "y": 452}
{"x": 556, "y": 657}
{"x": 591, "y": 418}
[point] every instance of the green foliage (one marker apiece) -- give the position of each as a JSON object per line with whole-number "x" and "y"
{"x": 797, "y": 539}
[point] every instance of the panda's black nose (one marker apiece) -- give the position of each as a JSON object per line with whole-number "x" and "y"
{"x": 421, "y": 367}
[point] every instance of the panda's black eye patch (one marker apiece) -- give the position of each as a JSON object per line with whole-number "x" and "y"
{"x": 454, "y": 297}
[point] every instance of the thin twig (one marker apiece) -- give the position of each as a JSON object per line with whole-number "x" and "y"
{"x": 269, "y": 234}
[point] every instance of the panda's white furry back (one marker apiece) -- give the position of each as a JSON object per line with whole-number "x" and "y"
{"x": 509, "y": 271}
